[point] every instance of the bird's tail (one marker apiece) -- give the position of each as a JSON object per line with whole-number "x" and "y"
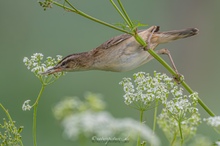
{"x": 164, "y": 37}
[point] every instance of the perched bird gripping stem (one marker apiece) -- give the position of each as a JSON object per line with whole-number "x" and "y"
{"x": 120, "y": 53}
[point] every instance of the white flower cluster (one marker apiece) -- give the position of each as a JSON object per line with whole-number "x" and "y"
{"x": 147, "y": 88}
{"x": 200, "y": 140}
{"x": 213, "y": 121}
{"x": 217, "y": 143}
{"x": 26, "y": 105}
{"x": 37, "y": 65}
{"x": 103, "y": 125}
{"x": 87, "y": 118}
{"x": 179, "y": 112}
{"x": 10, "y": 134}
{"x": 71, "y": 105}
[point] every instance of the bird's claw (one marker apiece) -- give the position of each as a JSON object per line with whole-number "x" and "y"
{"x": 178, "y": 78}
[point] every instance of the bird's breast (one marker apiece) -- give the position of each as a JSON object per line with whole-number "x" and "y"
{"x": 123, "y": 57}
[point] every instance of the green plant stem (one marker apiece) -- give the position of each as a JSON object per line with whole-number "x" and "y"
{"x": 202, "y": 104}
{"x": 126, "y": 15}
{"x": 122, "y": 15}
{"x": 73, "y": 9}
{"x": 158, "y": 58}
{"x": 155, "y": 116}
{"x": 9, "y": 118}
{"x": 181, "y": 134}
{"x": 6, "y": 112}
{"x": 173, "y": 140}
{"x": 141, "y": 122}
{"x": 183, "y": 83}
{"x": 35, "y": 125}
{"x": 35, "y": 115}
{"x": 139, "y": 39}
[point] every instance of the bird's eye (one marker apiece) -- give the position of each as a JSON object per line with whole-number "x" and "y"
{"x": 63, "y": 63}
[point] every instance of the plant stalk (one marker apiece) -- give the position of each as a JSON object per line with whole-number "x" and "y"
{"x": 73, "y": 9}
{"x": 35, "y": 115}
{"x": 9, "y": 118}
{"x": 141, "y": 122}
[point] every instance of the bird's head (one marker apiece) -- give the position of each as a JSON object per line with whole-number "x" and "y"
{"x": 73, "y": 62}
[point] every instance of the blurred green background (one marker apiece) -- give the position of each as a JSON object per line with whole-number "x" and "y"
{"x": 26, "y": 29}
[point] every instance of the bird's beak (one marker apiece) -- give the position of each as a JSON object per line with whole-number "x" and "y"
{"x": 52, "y": 70}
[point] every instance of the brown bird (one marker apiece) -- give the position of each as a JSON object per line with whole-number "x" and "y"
{"x": 120, "y": 53}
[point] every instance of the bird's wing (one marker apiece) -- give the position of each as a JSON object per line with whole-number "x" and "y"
{"x": 115, "y": 40}
{"x": 118, "y": 39}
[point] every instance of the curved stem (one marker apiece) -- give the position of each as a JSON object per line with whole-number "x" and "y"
{"x": 9, "y": 118}
{"x": 73, "y": 9}
{"x": 6, "y": 112}
{"x": 35, "y": 115}
{"x": 173, "y": 140}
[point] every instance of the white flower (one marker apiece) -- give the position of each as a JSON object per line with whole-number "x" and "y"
{"x": 25, "y": 59}
{"x": 37, "y": 66}
{"x": 26, "y": 105}
{"x": 146, "y": 89}
{"x": 179, "y": 110}
{"x": 59, "y": 57}
{"x": 102, "y": 124}
{"x": 84, "y": 119}
{"x": 38, "y": 56}
{"x": 213, "y": 121}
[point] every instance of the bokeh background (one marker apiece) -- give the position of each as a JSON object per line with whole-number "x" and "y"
{"x": 25, "y": 28}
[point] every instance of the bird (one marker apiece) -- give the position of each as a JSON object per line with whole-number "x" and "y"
{"x": 121, "y": 53}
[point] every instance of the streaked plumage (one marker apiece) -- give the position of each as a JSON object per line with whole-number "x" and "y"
{"x": 120, "y": 53}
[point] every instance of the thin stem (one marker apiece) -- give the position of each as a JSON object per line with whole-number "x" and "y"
{"x": 10, "y": 119}
{"x": 35, "y": 125}
{"x": 35, "y": 115}
{"x": 71, "y": 5}
{"x": 181, "y": 134}
{"x": 126, "y": 15}
{"x": 122, "y": 15}
{"x": 184, "y": 84}
{"x": 73, "y": 9}
{"x": 158, "y": 58}
{"x": 174, "y": 140}
{"x": 140, "y": 40}
{"x": 141, "y": 122}
{"x": 155, "y": 118}
{"x": 6, "y": 112}
{"x": 205, "y": 107}
{"x": 129, "y": 23}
